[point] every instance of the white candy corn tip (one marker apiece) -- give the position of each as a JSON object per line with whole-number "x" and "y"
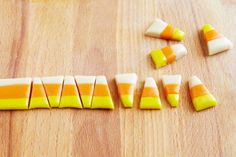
{"x": 219, "y": 45}
{"x": 179, "y": 50}
{"x": 130, "y": 78}
{"x": 193, "y": 81}
{"x": 101, "y": 80}
{"x": 150, "y": 82}
{"x": 15, "y": 81}
{"x": 156, "y": 28}
{"x": 52, "y": 79}
{"x": 85, "y": 79}
{"x": 69, "y": 80}
{"x": 171, "y": 79}
{"x": 37, "y": 80}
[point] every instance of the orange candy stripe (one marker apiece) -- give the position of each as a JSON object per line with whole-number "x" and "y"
{"x": 172, "y": 89}
{"x": 69, "y": 90}
{"x": 125, "y": 88}
{"x": 150, "y": 92}
{"x": 101, "y": 90}
{"x": 86, "y": 89}
{"x": 167, "y": 32}
{"x": 212, "y": 34}
{"x": 14, "y": 91}
{"x": 167, "y": 51}
{"x": 52, "y": 89}
{"x": 198, "y": 90}
{"x": 38, "y": 91}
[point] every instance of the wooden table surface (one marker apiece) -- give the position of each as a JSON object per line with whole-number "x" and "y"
{"x": 52, "y": 37}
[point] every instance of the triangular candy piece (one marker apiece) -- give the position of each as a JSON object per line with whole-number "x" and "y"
{"x": 215, "y": 41}
{"x": 70, "y": 95}
{"x": 126, "y": 86}
{"x": 86, "y": 87}
{"x": 168, "y": 54}
{"x": 201, "y": 97}
{"x": 171, "y": 85}
{"x": 15, "y": 93}
{"x": 38, "y": 96}
{"x": 101, "y": 96}
{"x": 163, "y": 30}
{"x": 150, "y": 96}
{"x": 53, "y": 88}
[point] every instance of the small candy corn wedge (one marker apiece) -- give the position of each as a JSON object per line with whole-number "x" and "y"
{"x": 163, "y": 30}
{"x": 38, "y": 96}
{"x": 53, "y": 88}
{"x": 86, "y": 87}
{"x": 215, "y": 41}
{"x": 70, "y": 95}
{"x": 167, "y": 55}
{"x": 171, "y": 85}
{"x": 201, "y": 97}
{"x": 14, "y": 93}
{"x": 150, "y": 96}
{"x": 126, "y": 86}
{"x": 101, "y": 96}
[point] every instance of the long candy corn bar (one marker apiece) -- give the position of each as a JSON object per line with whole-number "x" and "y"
{"x": 215, "y": 41}
{"x": 150, "y": 96}
{"x": 14, "y": 93}
{"x": 53, "y": 88}
{"x": 167, "y": 55}
{"x": 126, "y": 85}
{"x": 101, "y": 96}
{"x": 171, "y": 85}
{"x": 163, "y": 30}
{"x": 201, "y": 97}
{"x": 70, "y": 95}
{"x": 38, "y": 96}
{"x": 86, "y": 87}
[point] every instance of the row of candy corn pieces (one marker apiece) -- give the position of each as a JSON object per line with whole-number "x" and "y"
{"x": 215, "y": 42}
{"x": 93, "y": 92}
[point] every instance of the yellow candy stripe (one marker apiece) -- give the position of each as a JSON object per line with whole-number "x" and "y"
{"x": 158, "y": 58}
{"x": 204, "y": 102}
{"x": 38, "y": 102}
{"x": 54, "y": 101}
{"x": 150, "y": 103}
{"x": 102, "y": 102}
{"x": 173, "y": 99}
{"x": 86, "y": 101}
{"x": 127, "y": 100}
{"x": 14, "y": 104}
{"x": 70, "y": 101}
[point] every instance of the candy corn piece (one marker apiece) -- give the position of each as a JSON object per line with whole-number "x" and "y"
{"x": 163, "y": 30}
{"x": 70, "y": 95}
{"x": 101, "y": 96}
{"x": 216, "y": 42}
{"x": 38, "y": 96}
{"x": 126, "y": 85}
{"x": 150, "y": 96}
{"x": 53, "y": 88}
{"x": 167, "y": 55}
{"x": 86, "y": 86}
{"x": 171, "y": 85}
{"x": 14, "y": 93}
{"x": 201, "y": 97}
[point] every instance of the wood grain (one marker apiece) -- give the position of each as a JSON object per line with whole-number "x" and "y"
{"x": 51, "y": 37}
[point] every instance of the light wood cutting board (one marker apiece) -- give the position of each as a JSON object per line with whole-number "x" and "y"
{"x": 52, "y": 37}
